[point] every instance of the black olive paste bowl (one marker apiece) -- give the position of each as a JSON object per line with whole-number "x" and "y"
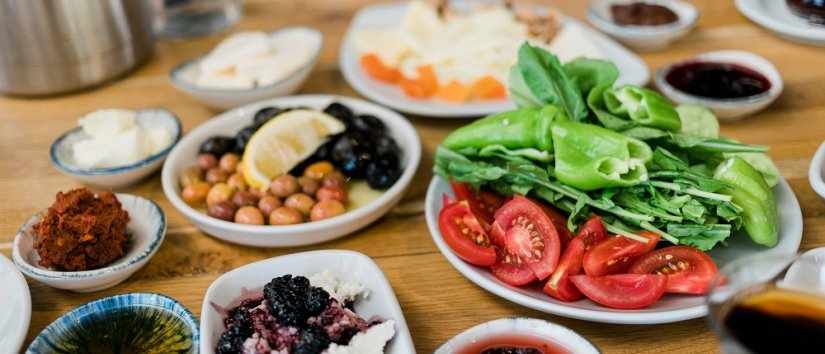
{"x": 729, "y": 109}
{"x": 228, "y": 123}
{"x": 128, "y": 323}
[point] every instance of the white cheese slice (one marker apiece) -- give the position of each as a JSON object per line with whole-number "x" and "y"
{"x": 372, "y": 341}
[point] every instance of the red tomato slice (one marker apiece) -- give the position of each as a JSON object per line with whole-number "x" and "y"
{"x": 484, "y": 204}
{"x": 622, "y": 291}
{"x": 511, "y": 273}
{"x": 465, "y": 235}
{"x": 446, "y": 201}
{"x": 560, "y": 222}
{"x": 688, "y": 270}
{"x": 616, "y": 254}
{"x": 559, "y": 286}
{"x": 530, "y": 240}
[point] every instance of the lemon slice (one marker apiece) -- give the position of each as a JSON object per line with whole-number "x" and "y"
{"x": 283, "y": 142}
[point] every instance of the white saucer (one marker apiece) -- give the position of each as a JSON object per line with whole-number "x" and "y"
{"x": 16, "y": 311}
{"x": 775, "y": 16}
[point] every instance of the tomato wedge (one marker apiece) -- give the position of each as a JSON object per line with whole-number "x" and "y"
{"x": 530, "y": 241}
{"x": 484, "y": 204}
{"x": 559, "y": 286}
{"x": 616, "y": 254}
{"x": 622, "y": 291}
{"x": 560, "y": 222}
{"x": 463, "y": 232}
{"x": 688, "y": 270}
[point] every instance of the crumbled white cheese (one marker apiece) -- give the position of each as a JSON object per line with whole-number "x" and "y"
{"x": 115, "y": 139}
{"x": 569, "y": 44}
{"x": 372, "y": 341}
{"x": 343, "y": 291}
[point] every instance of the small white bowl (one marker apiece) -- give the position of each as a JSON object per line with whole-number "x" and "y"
{"x": 183, "y": 78}
{"x": 727, "y": 109}
{"x": 540, "y": 329}
{"x": 147, "y": 228}
{"x": 16, "y": 312}
{"x": 228, "y": 123}
{"x": 345, "y": 265}
{"x": 646, "y": 38}
{"x": 62, "y": 156}
{"x": 816, "y": 172}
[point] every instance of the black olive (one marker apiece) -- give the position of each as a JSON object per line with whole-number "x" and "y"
{"x": 324, "y": 152}
{"x": 368, "y": 124}
{"x": 242, "y": 138}
{"x": 263, "y": 115}
{"x": 217, "y": 145}
{"x": 381, "y": 176}
{"x": 351, "y": 156}
{"x": 340, "y": 111}
{"x": 385, "y": 145}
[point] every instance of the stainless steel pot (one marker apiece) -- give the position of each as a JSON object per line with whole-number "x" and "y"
{"x": 52, "y": 46}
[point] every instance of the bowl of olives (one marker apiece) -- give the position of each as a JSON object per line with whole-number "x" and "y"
{"x": 292, "y": 171}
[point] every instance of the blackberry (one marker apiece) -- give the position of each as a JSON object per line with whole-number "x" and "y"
{"x": 511, "y": 350}
{"x": 231, "y": 340}
{"x": 313, "y": 340}
{"x": 292, "y": 300}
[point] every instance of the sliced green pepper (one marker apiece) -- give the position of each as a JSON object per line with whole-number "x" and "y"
{"x": 750, "y": 192}
{"x": 590, "y": 157}
{"x": 519, "y": 129}
{"x": 629, "y": 106}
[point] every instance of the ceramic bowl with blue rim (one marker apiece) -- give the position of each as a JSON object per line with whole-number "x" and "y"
{"x": 128, "y": 323}
{"x": 62, "y": 157}
{"x": 146, "y": 229}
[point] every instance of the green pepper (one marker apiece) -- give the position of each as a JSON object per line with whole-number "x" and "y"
{"x": 590, "y": 157}
{"x": 519, "y": 129}
{"x": 750, "y": 192}
{"x": 628, "y": 106}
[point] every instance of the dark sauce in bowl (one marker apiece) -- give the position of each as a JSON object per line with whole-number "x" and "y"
{"x": 811, "y": 10}
{"x": 517, "y": 344}
{"x": 642, "y": 14}
{"x": 717, "y": 80}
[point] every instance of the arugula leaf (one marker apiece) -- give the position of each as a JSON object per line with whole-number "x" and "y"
{"x": 588, "y": 73}
{"x": 545, "y": 78}
{"x": 520, "y": 94}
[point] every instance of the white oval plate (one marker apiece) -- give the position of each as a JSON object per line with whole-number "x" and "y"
{"x": 228, "y": 123}
{"x": 560, "y": 335}
{"x": 16, "y": 311}
{"x": 633, "y": 70}
{"x": 671, "y": 308}
{"x": 775, "y": 16}
{"x": 345, "y": 265}
{"x": 816, "y": 172}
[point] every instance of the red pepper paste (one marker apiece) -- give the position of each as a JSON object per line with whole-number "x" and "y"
{"x": 81, "y": 231}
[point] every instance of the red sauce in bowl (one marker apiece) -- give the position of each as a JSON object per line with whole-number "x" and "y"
{"x": 528, "y": 344}
{"x": 717, "y": 80}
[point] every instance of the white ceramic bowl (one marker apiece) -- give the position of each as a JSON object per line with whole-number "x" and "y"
{"x": 560, "y": 335}
{"x": 671, "y": 308}
{"x": 62, "y": 157}
{"x": 344, "y": 265}
{"x": 147, "y": 228}
{"x": 16, "y": 311}
{"x": 727, "y": 109}
{"x": 230, "y": 122}
{"x": 633, "y": 70}
{"x": 816, "y": 172}
{"x": 777, "y": 17}
{"x": 183, "y": 78}
{"x": 646, "y": 38}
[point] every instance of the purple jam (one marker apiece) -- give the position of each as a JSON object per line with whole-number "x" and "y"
{"x": 717, "y": 80}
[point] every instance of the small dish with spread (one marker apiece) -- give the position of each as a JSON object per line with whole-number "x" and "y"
{"x": 732, "y": 83}
{"x": 89, "y": 241}
{"x": 250, "y": 66}
{"x": 115, "y": 148}
{"x": 647, "y": 25}
{"x": 127, "y": 323}
{"x": 518, "y": 335}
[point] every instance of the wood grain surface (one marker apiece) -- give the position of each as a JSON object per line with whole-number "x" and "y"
{"x": 437, "y": 301}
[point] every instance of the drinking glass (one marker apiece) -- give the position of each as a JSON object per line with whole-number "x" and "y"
{"x": 191, "y": 18}
{"x": 761, "y": 301}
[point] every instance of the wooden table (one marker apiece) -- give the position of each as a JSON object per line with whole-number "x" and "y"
{"x": 438, "y": 302}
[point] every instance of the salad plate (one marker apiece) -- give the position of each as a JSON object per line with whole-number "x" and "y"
{"x": 671, "y": 308}
{"x": 777, "y": 17}
{"x": 633, "y": 69}
{"x": 346, "y": 266}
{"x": 15, "y": 313}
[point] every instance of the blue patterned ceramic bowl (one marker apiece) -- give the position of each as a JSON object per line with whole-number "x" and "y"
{"x": 122, "y": 324}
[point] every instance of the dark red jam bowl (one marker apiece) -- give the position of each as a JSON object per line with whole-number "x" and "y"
{"x": 717, "y": 80}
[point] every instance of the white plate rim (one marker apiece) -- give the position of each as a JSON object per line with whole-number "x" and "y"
{"x": 402, "y": 340}
{"x": 559, "y": 308}
{"x": 815, "y": 171}
{"x": 754, "y": 12}
{"x": 18, "y": 288}
{"x": 347, "y": 60}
